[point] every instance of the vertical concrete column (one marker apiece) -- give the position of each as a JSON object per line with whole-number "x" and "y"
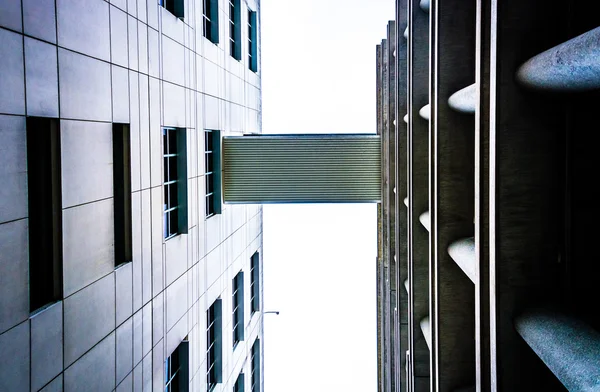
{"x": 418, "y": 192}
{"x": 451, "y": 168}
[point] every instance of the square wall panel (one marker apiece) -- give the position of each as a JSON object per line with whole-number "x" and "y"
{"x": 39, "y": 19}
{"x": 41, "y": 70}
{"x": 13, "y": 169}
{"x": 46, "y": 345}
{"x": 12, "y": 77}
{"x": 95, "y": 371}
{"x": 83, "y": 26}
{"x": 14, "y": 361}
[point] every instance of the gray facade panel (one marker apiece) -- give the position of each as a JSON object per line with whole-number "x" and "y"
{"x": 42, "y": 78}
{"x": 176, "y": 295}
{"x": 124, "y": 292}
{"x": 39, "y": 19}
{"x": 127, "y": 384}
{"x": 95, "y": 371}
{"x": 10, "y": 17}
{"x": 86, "y": 147}
{"x": 118, "y": 33}
{"x": 14, "y": 274}
{"x": 84, "y": 87}
{"x": 55, "y": 386}
{"x": 83, "y": 27}
{"x": 12, "y": 77}
{"x": 137, "y": 337}
{"x": 14, "y": 361}
{"x": 46, "y": 345}
{"x": 124, "y": 349}
{"x": 89, "y": 316}
{"x": 88, "y": 244}
{"x": 13, "y": 168}
{"x": 120, "y": 94}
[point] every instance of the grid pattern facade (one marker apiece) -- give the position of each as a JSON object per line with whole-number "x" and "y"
{"x": 91, "y": 64}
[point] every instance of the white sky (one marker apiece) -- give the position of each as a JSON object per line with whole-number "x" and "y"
{"x": 318, "y": 75}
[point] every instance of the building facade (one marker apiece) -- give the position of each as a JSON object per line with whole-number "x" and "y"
{"x": 487, "y": 220}
{"x": 120, "y": 267}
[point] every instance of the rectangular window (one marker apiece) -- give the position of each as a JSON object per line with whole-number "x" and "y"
{"x": 210, "y": 16}
{"x": 252, "y": 42}
{"x": 212, "y": 174}
{"x": 177, "y": 368}
{"x": 122, "y": 193}
{"x": 254, "y": 282}
{"x": 175, "y": 181}
{"x": 235, "y": 32}
{"x": 239, "y": 383}
{"x": 238, "y": 308}
{"x": 45, "y": 211}
{"x": 255, "y": 363}
{"x": 213, "y": 341}
{"x": 173, "y": 6}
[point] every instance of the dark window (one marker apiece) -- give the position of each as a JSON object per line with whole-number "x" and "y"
{"x": 212, "y": 174}
{"x": 213, "y": 350}
{"x": 176, "y": 369}
{"x": 252, "y": 42}
{"x": 235, "y": 32}
{"x": 210, "y": 16}
{"x": 45, "y": 211}
{"x": 239, "y": 383}
{"x": 122, "y": 193}
{"x": 175, "y": 181}
{"x": 254, "y": 283}
{"x": 255, "y": 363}
{"x": 238, "y": 308}
{"x": 173, "y": 6}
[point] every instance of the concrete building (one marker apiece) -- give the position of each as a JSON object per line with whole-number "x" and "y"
{"x": 120, "y": 267}
{"x": 487, "y": 225}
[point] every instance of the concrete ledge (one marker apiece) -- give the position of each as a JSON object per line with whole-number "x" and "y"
{"x": 425, "y": 220}
{"x": 463, "y": 253}
{"x": 571, "y": 66}
{"x": 464, "y": 99}
{"x": 425, "y": 112}
{"x": 426, "y": 329}
{"x": 568, "y": 346}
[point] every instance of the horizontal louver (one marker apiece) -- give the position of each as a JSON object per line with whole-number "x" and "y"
{"x": 308, "y": 168}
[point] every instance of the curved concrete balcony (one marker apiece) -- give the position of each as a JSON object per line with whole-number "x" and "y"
{"x": 569, "y": 67}
{"x": 406, "y": 33}
{"x": 426, "y": 329}
{"x": 464, "y": 99}
{"x": 406, "y": 287}
{"x": 568, "y": 346}
{"x": 463, "y": 254}
{"x": 406, "y": 201}
{"x": 424, "y": 4}
{"x": 405, "y": 118}
{"x": 425, "y": 220}
{"x": 425, "y": 112}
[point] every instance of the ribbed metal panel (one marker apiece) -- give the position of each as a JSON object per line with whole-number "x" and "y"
{"x": 312, "y": 168}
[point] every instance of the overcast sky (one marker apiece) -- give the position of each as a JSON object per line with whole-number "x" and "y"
{"x": 318, "y": 76}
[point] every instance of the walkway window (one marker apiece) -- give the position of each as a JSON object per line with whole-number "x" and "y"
{"x": 252, "y": 42}
{"x": 213, "y": 341}
{"x": 238, "y": 308}
{"x": 175, "y": 181}
{"x": 210, "y": 16}
{"x": 212, "y": 174}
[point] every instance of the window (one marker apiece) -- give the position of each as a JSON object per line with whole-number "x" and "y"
{"x": 212, "y": 174}
{"x": 252, "y": 41}
{"x": 213, "y": 339}
{"x": 235, "y": 33}
{"x": 176, "y": 369}
{"x": 238, "y": 308}
{"x": 239, "y": 384}
{"x": 254, "y": 283}
{"x": 175, "y": 181}
{"x": 173, "y": 6}
{"x": 122, "y": 193}
{"x": 210, "y": 25}
{"x": 255, "y": 363}
{"x": 45, "y": 211}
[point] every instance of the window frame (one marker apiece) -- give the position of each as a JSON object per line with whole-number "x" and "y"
{"x": 213, "y": 345}
{"x": 210, "y": 20}
{"x": 255, "y": 366}
{"x": 239, "y": 383}
{"x": 252, "y": 41}
{"x": 212, "y": 172}
{"x": 174, "y": 182}
{"x": 255, "y": 282}
{"x": 175, "y": 7}
{"x": 178, "y": 380}
{"x": 235, "y": 31}
{"x": 237, "y": 307}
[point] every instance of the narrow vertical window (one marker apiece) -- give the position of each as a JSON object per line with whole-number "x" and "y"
{"x": 122, "y": 193}
{"x": 45, "y": 211}
{"x": 173, "y": 6}
{"x": 177, "y": 369}
{"x": 239, "y": 383}
{"x": 210, "y": 26}
{"x": 254, "y": 283}
{"x": 175, "y": 181}
{"x": 213, "y": 342}
{"x": 238, "y": 308}
{"x": 252, "y": 42}
{"x": 255, "y": 363}
{"x": 212, "y": 174}
{"x": 235, "y": 33}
